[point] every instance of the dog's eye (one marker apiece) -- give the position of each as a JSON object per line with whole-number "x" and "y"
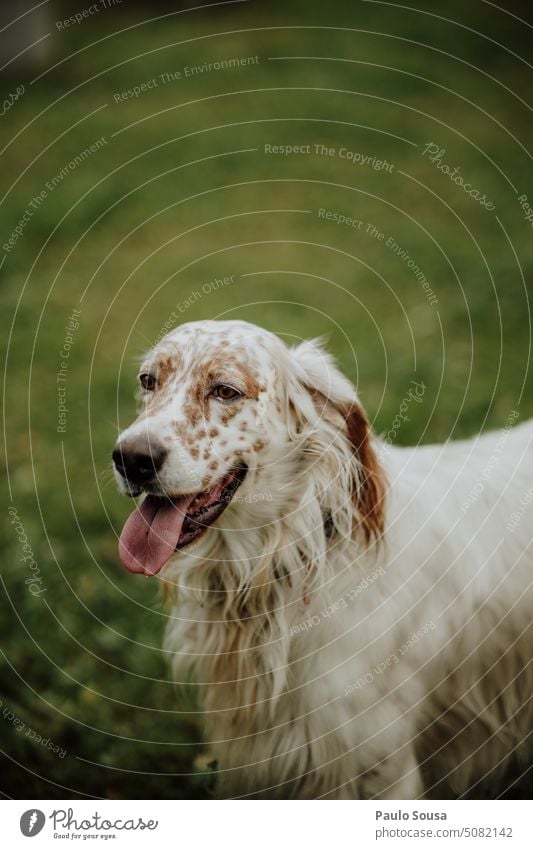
{"x": 148, "y": 381}
{"x": 225, "y": 393}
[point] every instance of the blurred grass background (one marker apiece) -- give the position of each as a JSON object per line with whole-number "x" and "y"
{"x": 182, "y": 193}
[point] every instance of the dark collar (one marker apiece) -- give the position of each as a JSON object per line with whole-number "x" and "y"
{"x": 329, "y": 527}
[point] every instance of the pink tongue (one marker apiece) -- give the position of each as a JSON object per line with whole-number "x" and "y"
{"x": 151, "y": 533}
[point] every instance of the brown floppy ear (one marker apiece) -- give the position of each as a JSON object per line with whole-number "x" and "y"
{"x": 334, "y": 398}
{"x": 369, "y": 491}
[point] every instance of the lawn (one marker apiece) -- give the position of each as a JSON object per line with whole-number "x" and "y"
{"x": 289, "y": 164}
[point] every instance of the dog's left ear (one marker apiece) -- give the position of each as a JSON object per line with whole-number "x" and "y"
{"x": 331, "y": 396}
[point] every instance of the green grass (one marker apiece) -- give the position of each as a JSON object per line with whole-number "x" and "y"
{"x": 171, "y": 203}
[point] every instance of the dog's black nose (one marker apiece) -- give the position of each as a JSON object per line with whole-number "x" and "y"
{"x": 139, "y": 460}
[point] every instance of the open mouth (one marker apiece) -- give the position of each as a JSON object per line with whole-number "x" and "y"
{"x": 160, "y": 525}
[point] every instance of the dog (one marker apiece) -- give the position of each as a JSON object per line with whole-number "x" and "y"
{"x": 356, "y": 616}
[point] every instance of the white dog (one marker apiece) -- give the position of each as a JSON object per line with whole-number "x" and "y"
{"x": 357, "y": 617}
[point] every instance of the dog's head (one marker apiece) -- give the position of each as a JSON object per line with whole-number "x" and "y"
{"x": 227, "y": 406}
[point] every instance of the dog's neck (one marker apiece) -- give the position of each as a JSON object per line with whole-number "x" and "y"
{"x": 238, "y": 595}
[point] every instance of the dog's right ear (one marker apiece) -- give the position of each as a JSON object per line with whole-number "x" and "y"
{"x": 317, "y": 369}
{"x": 316, "y": 384}
{"x": 324, "y": 393}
